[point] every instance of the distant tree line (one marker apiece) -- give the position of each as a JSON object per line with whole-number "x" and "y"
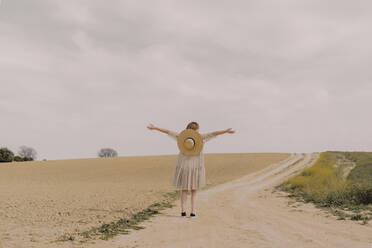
{"x": 25, "y": 153}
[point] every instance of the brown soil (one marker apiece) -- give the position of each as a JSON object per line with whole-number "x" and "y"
{"x": 42, "y": 200}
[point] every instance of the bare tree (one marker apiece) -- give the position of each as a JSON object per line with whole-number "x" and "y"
{"x": 27, "y": 153}
{"x": 107, "y": 152}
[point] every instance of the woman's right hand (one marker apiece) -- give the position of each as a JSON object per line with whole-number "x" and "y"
{"x": 151, "y": 127}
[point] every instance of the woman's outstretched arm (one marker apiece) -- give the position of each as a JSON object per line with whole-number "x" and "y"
{"x": 211, "y": 135}
{"x": 172, "y": 134}
{"x": 229, "y": 130}
{"x": 152, "y": 127}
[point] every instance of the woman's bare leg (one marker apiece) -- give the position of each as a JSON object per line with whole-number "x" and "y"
{"x": 183, "y": 199}
{"x": 193, "y": 200}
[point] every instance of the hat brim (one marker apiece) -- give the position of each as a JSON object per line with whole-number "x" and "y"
{"x": 198, "y": 139}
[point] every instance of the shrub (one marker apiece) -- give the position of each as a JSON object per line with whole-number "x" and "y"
{"x": 6, "y": 155}
{"x": 28, "y": 159}
{"x": 18, "y": 159}
{"x": 360, "y": 194}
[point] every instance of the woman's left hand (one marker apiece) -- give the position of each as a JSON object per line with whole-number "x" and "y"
{"x": 229, "y": 130}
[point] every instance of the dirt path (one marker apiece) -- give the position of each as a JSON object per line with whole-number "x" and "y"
{"x": 246, "y": 213}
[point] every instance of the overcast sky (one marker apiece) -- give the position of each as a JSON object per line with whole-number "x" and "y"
{"x": 288, "y": 76}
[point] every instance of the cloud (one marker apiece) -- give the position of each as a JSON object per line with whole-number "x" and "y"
{"x": 289, "y": 76}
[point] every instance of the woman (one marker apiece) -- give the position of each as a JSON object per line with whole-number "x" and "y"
{"x": 189, "y": 172}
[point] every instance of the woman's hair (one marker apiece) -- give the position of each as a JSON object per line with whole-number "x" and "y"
{"x": 193, "y": 125}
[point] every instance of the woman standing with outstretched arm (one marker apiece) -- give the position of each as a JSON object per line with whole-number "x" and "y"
{"x": 189, "y": 172}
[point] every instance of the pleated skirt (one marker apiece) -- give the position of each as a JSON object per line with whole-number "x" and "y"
{"x": 189, "y": 172}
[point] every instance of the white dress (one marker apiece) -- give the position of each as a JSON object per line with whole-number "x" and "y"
{"x": 189, "y": 172}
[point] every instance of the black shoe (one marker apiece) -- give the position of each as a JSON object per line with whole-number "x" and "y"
{"x": 192, "y": 215}
{"x": 183, "y": 214}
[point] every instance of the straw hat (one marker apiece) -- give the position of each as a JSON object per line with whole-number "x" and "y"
{"x": 190, "y": 142}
